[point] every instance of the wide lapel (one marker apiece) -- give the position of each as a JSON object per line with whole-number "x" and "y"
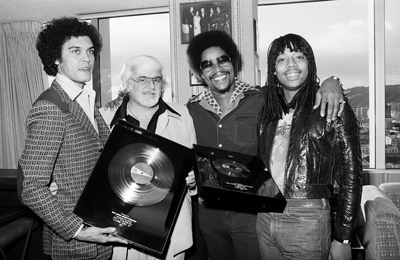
{"x": 162, "y": 123}
{"x": 77, "y": 112}
{"x": 164, "y": 120}
{"x": 104, "y": 130}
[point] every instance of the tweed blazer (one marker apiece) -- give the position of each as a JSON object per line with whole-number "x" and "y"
{"x": 61, "y": 145}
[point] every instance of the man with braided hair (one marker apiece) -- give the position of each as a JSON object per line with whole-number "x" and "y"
{"x": 311, "y": 160}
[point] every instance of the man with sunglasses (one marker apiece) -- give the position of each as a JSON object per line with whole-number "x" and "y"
{"x": 142, "y": 78}
{"x": 225, "y": 116}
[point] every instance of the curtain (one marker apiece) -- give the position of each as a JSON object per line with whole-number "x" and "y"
{"x": 21, "y": 82}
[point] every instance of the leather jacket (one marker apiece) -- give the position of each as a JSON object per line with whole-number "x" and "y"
{"x": 323, "y": 159}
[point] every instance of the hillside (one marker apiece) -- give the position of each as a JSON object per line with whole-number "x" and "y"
{"x": 359, "y": 96}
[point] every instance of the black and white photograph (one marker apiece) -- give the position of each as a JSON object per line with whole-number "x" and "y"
{"x": 189, "y": 129}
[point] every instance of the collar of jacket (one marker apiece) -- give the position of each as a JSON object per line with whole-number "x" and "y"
{"x": 240, "y": 89}
{"x": 121, "y": 113}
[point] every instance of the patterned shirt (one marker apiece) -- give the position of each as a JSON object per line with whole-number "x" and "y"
{"x": 280, "y": 149}
{"x": 237, "y": 94}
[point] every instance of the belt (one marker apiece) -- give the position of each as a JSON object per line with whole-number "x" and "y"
{"x": 306, "y": 203}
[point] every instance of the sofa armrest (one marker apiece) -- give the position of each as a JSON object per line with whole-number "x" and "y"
{"x": 369, "y": 193}
{"x": 381, "y": 232}
{"x": 392, "y": 191}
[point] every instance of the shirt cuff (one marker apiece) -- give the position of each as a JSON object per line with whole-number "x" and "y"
{"x": 79, "y": 230}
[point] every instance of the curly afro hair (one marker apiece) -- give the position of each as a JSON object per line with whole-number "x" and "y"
{"x": 206, "y": 40}
{"x": 56, "y": 32}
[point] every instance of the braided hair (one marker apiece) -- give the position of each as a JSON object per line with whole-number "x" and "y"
{"x": 274, "y": 103}
{"x": 273, "y": 107}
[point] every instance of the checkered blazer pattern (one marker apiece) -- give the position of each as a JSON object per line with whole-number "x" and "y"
{"x": 62, "y": 145}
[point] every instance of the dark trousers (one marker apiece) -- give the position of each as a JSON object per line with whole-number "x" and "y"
{"x": 199, "y": 249}
{"x": 228, "y": 234}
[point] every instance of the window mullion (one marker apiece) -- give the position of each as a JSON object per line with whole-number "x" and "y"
{"x": 377, "y": 85}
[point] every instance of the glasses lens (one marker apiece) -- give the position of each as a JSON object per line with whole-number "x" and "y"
{"x": 157, "y": 80}
{"x": 206, "y": 65}
{"x": 224, "y": 60}
{"x": 145, "y": 81}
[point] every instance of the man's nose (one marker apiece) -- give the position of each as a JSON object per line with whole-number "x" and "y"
{"x": 216, "y": 66}
{"x": 291, "y": 63}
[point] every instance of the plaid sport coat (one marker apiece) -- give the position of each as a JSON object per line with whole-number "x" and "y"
{"x": 61, "y": 145}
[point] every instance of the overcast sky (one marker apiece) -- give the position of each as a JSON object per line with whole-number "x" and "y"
{"x": 337, "y": 31}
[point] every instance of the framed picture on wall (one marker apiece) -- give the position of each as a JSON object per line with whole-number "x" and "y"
{"x": 198, "y": 17}
{"x": 195, "y": 81}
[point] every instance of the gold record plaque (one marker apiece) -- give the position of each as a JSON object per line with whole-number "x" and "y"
{"x": 137, "y": 186}
{"x": 141, "y": 174}
{"x": 232, "y": 181}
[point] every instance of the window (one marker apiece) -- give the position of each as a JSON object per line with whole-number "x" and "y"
{"x": 129, "y": 36}
{"x": 348, "y": 46}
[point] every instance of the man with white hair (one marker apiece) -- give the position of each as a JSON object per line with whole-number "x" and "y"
{"x": 142, "y": 79}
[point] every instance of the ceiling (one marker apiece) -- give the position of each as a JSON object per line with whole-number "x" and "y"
{"x": 44, "y": 10}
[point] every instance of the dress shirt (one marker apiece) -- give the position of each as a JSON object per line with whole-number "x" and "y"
{"x": 84, "y": 96}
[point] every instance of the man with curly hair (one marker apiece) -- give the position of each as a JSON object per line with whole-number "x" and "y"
{"x": 65, "y": 136}
{"x": 225, "y": 116}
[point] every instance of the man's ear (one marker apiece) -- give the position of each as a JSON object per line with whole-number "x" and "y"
{"x": 57, "y": 62}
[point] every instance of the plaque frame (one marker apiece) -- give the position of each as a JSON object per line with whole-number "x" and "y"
{"x": 243, "y": 195}
{"x": 149, "y": 227}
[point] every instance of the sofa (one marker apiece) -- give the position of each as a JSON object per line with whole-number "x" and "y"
{"x": 380, "y": 220}
{"x": 20, "y": 237}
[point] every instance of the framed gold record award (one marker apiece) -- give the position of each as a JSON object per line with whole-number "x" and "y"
{"x": 137, "y": 186}
{"x": 235, "y": 181}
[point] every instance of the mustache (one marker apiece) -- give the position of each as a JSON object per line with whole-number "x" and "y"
{"x": 149, "y": 92}
{"x": 222, "y": 71}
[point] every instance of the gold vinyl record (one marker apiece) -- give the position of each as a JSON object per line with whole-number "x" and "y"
{"x": 231, "y": 168}
{"x": 141, "y": 174}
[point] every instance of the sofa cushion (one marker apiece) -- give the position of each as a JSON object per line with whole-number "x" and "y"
{"x": 382, "y": 228}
